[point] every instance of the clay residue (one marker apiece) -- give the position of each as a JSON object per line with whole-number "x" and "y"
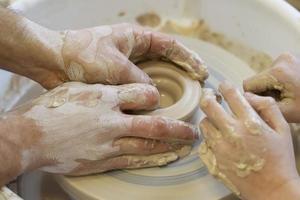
{"x": 295, "y": 3}
{"x": 121, "y": 13}
{"x": 149, "y": 19}
{"x": 210, "y": 161}
{"x": 199, "y": 29}
{"x": 252, "y": 163}
{"x": 4, "y": 3}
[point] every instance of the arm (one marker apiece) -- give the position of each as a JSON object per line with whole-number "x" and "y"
{"x": 30, "y": 50}
{"x": 16, "y": 135}
{"x": 103, "y": 54}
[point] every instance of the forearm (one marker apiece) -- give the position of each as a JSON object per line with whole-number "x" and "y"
{"x": 17, "y": 137}
{"x": 27, "y": 48}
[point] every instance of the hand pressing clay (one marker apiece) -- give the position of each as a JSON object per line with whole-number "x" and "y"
{"x": 250, "y": 150}
{"x": 104, "y": 54}
{"x": 179, "y": 94}
{"x": 78, "y": 129}
{"x": 281, "y": 82}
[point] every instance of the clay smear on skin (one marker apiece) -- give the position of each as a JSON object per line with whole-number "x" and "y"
{"x": 96, "y": 57}
{"x": 86, "y": 99}
{"x": 246, "y": 163}
{"x": 64, "y": 101}
{"x": 211, "y": 163}
{"x": 85, "y": 49}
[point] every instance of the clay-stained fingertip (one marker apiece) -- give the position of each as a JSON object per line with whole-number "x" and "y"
{"x": 225, "y": 86}
{"x": 209, "y": 94}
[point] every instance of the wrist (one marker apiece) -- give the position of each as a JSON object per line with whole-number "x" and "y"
{"x": 45, "y": 64}
{"x": 18, "y": 140}
{"x": 31, "y": 50}
{"x": 287, "y": 190}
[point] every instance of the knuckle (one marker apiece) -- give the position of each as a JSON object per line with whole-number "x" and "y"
{"x": 160, "y": 125}
{"x": 207, "y": 100}
{"x": 152, "y": 95}
{"x": 286, "y": 57}
{"x": 269, "y": 102}
{"x": 231, "y": 91}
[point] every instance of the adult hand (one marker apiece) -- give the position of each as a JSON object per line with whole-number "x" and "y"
{"x": 251, "y": 150}
{"x": 282, "y": 81}
{"x": 105, "y": 54}
{"x": 80, "y": 129}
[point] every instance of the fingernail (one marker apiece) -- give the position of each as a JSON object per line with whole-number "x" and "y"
{"x": 207, "y": 95}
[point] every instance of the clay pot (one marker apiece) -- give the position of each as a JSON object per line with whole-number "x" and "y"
{"x": 179, "y": 94}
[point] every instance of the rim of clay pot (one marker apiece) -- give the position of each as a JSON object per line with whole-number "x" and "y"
{"x": 175, "y": 83}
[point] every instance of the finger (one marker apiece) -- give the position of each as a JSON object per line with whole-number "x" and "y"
{"x": 123, "y": 162}
{"x": 214, "y": 111}
{"x": 260, "y": 83}
{"x": 123, "y": 71}
{"x": 140, "y": 146}
{"x": 274, "y": 78}
{"x": 135, "y": 74}
{"x": 151, "y": 44}
{"x": 132, "y": 162}
{"x": 138, "y": 97}
{"x": 208, "y": 158}
{"x": 209, "y": 131}
{"x": 287, "y": 107}
{"x": 161, "y": 128}
{"x": 267, "y": 108}
{"x": 212, "y": 136}
{"x": 163, "y": 45}
{"x": 285, "y": 59}
{"x": 237, "y": 103}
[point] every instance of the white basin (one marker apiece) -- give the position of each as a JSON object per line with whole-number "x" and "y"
{"x": 271, "y": 26}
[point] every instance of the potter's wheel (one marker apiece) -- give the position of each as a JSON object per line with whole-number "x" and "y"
{"x": 185, "y": 179}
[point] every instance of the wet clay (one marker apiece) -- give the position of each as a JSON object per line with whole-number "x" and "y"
{"x": 199, "y": 29}
{"x": 210, "y": 161}
{"x": 179, "y": 94}
{"x": 61, "y": 96}
{"x": 152, "y": 160}
{"x": 251, "y": 163}
{"x": 170, "y": 92}
{"x": 149, "y": 19}
{"x": 245, "y": 162}
{"x": 158, "y": 159}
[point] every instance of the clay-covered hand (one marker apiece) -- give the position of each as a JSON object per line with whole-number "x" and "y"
{"x": 282, "y": 82}
{"x": 81, "y": 129}
{"x": 103, "y": 54}
{"x": 106, "y": 54}
{"x": 250, "y": 150}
